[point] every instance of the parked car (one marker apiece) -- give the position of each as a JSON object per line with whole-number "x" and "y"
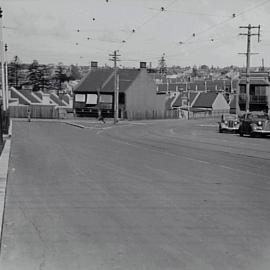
{"x": 255, "y": 123}
{"x": 229, "y": 123}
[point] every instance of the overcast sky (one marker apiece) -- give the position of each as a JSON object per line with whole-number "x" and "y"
{"x": 188, "y": 32}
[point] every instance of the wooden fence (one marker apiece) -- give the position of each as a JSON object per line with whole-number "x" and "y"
{"x": 208, "y": 114}
{"x": 36, "y": 111}
{"x": 148, "y": 115}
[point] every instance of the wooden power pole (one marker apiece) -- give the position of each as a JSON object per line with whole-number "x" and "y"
{"x": 2, "y": 62}
{"x": 6, "y": 75}
{"x": 248, "y": 53}
{"x": 115, "y": 59}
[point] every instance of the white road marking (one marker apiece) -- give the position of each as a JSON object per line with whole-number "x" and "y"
{"x": 245, "y": 171}
{"x": 208, "y": 125}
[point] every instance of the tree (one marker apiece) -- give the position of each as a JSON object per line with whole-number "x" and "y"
{"x": 39, "y": 76}
{"x": 75, "y": 73}
{"x": 34, "y": 75}
{"x": 45, "y": 78}
{"x": 194, "y": 71}
{"x": 14, "y": 72}
{"x": 204, "y": 67}
{"x": 60, "y": 77}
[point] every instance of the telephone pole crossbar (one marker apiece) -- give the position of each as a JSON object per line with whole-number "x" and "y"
{"x": 115, "y": 59}
{"x": 249, "y": 34}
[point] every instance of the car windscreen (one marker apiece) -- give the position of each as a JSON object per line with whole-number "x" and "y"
{"x": 260, "y": 117}
{"x": 230, "y": 118}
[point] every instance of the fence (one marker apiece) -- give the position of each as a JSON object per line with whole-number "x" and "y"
{"x": 208, "y": 114}
{"x": 37, "y": 111}
{"x": 148, "y": 115}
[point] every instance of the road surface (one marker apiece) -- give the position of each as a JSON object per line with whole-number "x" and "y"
{"x": 153, "y": 195}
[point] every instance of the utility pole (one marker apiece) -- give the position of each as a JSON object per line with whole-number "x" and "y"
{"x": 2, "y": 62}
{"x": 115, "y": 59}
{"x": 188, "y": 103}
{"x": 262, "y": 64}
{"x": 248, "y": 53}
{"x": 6, "y": 75}
{"x": 162, "y": 65}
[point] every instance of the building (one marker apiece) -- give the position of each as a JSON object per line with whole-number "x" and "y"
{"x": 259, "y": 92}
{"x": 200, "y": 104}
{"x": 137, "y": 94}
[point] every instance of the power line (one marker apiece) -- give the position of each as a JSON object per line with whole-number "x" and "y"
{"x": 162, "y": 9}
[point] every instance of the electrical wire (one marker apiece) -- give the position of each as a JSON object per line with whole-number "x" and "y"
{"x": 138, "y": 28}
{"x": 234, "y": 15}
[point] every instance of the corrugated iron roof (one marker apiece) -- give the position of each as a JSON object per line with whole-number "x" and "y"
{"x": 205, "y": 100}
{"x": 126, "y": 77}
{"x": 261, "y": 82}
{"x": 103, "y": 80}
{"x": 178, "y": 100}
{"x": 93, "y": 81}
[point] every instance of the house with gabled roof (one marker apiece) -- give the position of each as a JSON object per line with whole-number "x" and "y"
{"x": 42, "y": 105}
{"x": 200, "y": 104}
{"x": 137, "y": 94}
{"x": 210, "y": 104}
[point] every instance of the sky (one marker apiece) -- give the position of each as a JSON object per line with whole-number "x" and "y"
{"x": 187, "y": 32}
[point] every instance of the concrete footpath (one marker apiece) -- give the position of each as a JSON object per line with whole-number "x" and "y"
{"x": 4, "y": 160}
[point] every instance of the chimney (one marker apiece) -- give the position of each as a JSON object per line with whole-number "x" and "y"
{"x": 142, "y": 65}
{"x": 94, "y": 64}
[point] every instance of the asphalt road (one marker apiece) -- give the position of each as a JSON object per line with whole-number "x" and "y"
{"x": 148, "y": 195}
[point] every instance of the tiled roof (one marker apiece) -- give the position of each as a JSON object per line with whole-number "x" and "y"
{"x": 192, "y": 96}
{"x": 22, "y": 98}
{"x": 178, "y": 101}
{"x": 28, "y": 95}
{"x": 205, "y": 100}
{"x": 95, "y": 79}
{"x": 126, "y": 77}
{"x": 56, "y": 99}
{"x": 172, "y": 87}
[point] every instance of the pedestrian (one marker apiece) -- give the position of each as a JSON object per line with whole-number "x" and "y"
{"x": 29, "y": 113}
{"x": 101, "y": 117}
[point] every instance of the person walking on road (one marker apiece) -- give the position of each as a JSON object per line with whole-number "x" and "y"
{"x": 29, "y": 113}
{"x": 100, "y": 117}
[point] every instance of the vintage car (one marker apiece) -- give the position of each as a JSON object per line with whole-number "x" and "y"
{"x": 229, "y": 123}
{"x": 255, "y": 123}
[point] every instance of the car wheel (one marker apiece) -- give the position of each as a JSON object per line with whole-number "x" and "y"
{"x": 220, "y": 130}
{"x": 252, "y": 134}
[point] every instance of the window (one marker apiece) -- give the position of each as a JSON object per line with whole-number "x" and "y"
{"x": 260, "y": 90}
{"x": 105, "y": 99}
{"x": 91, "y": 99}
{"x": 80, "y": 98}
